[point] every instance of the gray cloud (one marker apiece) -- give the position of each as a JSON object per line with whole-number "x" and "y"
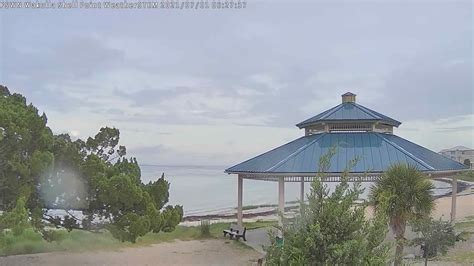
{"x": 59, "y": 75}
{"x": 272, "y": 64}
{"x": 433, "y": 85}
{"x": 152, "y": 96}
{"x": 456, "y": 129}
{"x": 282, "y": 64}
{"x": 148, "y": 150}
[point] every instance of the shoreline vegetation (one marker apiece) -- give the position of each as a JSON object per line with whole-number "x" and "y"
{"x": 467, "y": 176}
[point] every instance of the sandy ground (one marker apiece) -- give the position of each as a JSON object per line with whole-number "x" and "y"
{"x": 464, "y": 207}
{"x": 195, "y": 252}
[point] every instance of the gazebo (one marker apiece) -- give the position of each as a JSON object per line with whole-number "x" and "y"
{"x": 356, "y": 131}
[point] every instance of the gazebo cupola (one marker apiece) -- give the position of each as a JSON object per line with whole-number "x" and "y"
{"x": 348, "y": 117}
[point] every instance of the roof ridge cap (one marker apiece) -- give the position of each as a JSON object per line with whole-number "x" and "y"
{"x": 263, "y": 153}
{"x": 294, "y": 153}
{"x": 336, "y": 108}
{"x": 326, "y": 112}
{"x": 418, "y": 145}
{"x": 405, "y": 152}
{"x": 380, "y": 115}
{"x": 367, "y": 111}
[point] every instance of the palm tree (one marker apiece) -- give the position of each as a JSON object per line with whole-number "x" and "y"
{"x": 403, "y": 194}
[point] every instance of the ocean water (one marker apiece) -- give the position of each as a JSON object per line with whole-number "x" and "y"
{"x": 207, "y": 189}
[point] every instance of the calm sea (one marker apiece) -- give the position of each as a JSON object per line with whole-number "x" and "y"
{"x": 207, "y": 189}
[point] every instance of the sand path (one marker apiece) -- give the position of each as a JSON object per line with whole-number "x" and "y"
{"x": 196, "y": 252}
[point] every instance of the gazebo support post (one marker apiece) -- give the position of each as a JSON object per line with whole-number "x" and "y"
{"x": 453, "y": 198}
{"x": 302, "y": 190}
{"x": 240, "y": 182}
{"x": 281, "y": 198}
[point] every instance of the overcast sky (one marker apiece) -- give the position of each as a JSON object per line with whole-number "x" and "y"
{"x": 217, "y": 87}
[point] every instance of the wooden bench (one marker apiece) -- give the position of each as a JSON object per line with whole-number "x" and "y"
{"x": 235, "y": 231}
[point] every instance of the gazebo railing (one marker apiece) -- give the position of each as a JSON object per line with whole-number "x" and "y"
{"x": 329, "y": 178}
{"x": 335, "y": 177}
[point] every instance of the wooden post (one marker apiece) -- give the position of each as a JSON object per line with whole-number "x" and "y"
{"x": 239, "y": 199}
{"x": 281, "y": 198}
{"x": 302, "y": 190}
{"x": 453, "y": 198}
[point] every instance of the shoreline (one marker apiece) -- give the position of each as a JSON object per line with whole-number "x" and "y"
{"x": 269, "y": 211}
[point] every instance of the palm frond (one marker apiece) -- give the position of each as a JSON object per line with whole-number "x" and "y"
{"x": 402, "y": 192}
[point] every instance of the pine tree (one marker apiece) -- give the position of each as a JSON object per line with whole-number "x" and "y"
{"x": 331, "y": 229}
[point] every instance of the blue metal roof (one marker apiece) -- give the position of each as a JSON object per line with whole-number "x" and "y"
{"x": 349, "y": 111}
{"x": 376, "y": 153}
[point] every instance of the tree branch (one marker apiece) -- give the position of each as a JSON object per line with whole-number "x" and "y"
{"x": 94, "y": 228}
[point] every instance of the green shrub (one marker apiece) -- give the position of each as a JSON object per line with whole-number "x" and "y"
{"x": 205, "y": 228}
{"x": 466, "y": 176}
{"x": 434, "y": 236}
{"x": 331, "y": 229}
{"x": 28, "y": 241}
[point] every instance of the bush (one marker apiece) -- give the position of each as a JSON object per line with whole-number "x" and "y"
{"x": 466, "y": 176}
{"x": 28, "y": 241}
{"x": 434, "y": 236}
{"x": 205, "y": 228}
{"x": 331, "y": 230}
